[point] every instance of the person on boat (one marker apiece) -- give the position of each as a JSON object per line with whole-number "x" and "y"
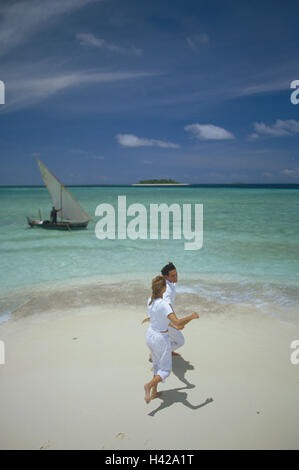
{"x": 54, "y": 215}
{"x": 157, "y": 337}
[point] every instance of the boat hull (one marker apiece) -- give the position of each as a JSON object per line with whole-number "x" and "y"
{"x": 47, "y": 225}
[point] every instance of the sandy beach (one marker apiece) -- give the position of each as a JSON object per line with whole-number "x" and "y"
{"x": 142, "y": 139}
{"x": 73, "y": 379}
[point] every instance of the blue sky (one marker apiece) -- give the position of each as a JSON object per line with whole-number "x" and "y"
{"x": 113, "y": 91}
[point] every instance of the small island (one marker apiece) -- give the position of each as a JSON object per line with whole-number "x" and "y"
{"x": 164, "y": 182}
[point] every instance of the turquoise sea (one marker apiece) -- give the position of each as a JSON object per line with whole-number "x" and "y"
{"x": 250, "y": 252}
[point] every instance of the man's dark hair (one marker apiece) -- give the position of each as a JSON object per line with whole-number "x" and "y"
{"x": 169, "y": 267}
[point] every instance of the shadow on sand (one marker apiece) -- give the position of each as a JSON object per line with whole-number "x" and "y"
{"x": 169, "y": 397}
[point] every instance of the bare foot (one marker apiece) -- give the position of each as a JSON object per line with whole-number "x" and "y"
{"x": 155, "y": 395}
{"x": 147, "y": 389}
{"x": 175, "y": 353}
{"x": 150, "y": 358}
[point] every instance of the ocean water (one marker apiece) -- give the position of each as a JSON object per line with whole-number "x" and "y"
{"x": 250, "y": 252}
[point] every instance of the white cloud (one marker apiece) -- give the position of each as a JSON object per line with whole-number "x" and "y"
{"x": 87, "y": 39}
{"x": 86, "y": 154}
{"x": 253, "y": 136}
{"x": 239, "y": 176}
{"x": 268, "y": 87}
{"x": 21, "y": 19}
{"x": 95, "y": 157}
{"x": 291, "y": 172}
{"x": 197, "y": 40}
{"x": 278, "y": 129}
{"x": 208, "y": 132}
{"x": 129, "y": 140}
{"x": 25, "y": 92}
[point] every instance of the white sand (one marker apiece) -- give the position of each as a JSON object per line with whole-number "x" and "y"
{"x": 87, "y": 393}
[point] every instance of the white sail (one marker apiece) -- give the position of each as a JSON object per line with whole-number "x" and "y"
{"x": 62, "y": 198}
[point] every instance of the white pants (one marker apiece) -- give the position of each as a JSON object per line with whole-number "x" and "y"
{"x": 160, "y": 347}
{"x": 176, "y": 338}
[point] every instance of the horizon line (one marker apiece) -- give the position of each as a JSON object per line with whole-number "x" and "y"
{"x": 146, "y": 185}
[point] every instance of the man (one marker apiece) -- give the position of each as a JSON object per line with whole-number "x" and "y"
{"x": 54, "y": 215}
{"x": 169, "y": 273}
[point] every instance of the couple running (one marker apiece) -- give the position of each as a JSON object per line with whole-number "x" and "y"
{"x": 163, "y": 335}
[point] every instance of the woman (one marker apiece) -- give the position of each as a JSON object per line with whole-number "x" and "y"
{"x": 160, "y": 314}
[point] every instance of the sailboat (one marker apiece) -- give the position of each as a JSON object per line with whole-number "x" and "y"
{"x": 71, "y": 213}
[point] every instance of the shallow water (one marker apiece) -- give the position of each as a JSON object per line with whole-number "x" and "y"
{"x": 250, "y": 252}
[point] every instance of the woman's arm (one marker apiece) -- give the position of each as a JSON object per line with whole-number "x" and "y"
{"x": 183, "y": 321}
{"x": 176, "y": 327}
{"x": 172, "y": 324}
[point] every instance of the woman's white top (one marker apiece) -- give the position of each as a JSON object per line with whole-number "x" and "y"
{"x": 158, "y": 313}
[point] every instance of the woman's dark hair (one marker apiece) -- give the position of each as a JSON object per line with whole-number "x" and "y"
{"x": 169, "y": 267}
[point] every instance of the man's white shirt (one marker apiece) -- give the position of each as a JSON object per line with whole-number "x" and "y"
{"x": 176, "y": 337}
{"x": 170, "y": 293}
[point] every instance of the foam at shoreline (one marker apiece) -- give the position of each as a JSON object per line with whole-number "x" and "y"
{"x": 204, "y": 296}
